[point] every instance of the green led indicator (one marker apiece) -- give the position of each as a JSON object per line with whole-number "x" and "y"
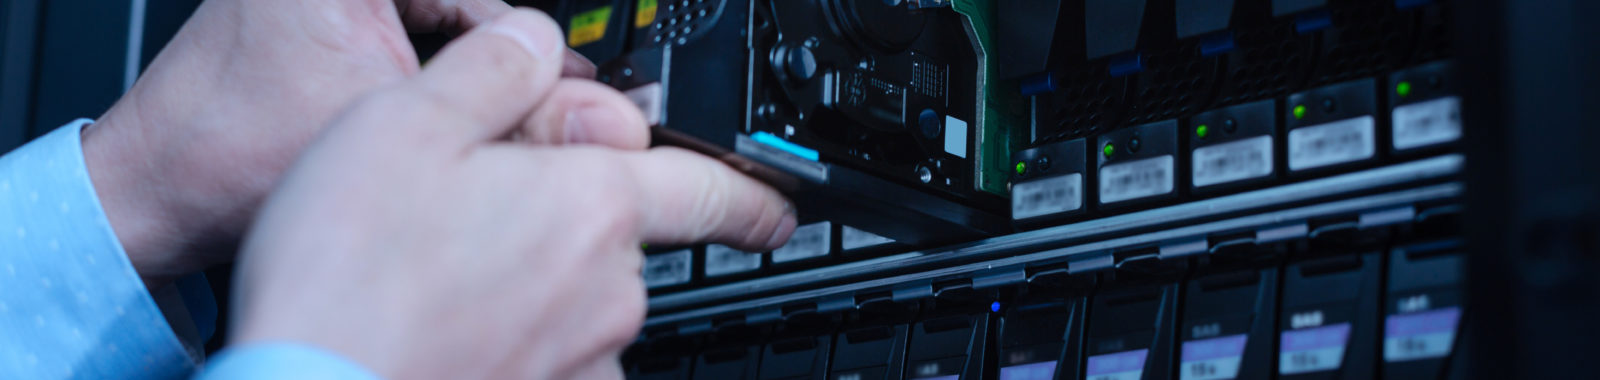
{"x": 1202, "y": 131}
{"x": 1109, "y": 149}
{"x": 1021, "y": 167}
{"x": 1403, "y": 89}
{"x": 1300, "y": 111}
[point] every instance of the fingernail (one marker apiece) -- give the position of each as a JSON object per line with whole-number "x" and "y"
{"x": 579, "y": 121}
{"x": 528, "y": 32}
{"x": 785, "y": 227}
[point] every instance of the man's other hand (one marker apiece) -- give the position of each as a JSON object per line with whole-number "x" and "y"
{"x": 182, "y": 161}
{"x": 417, "y": 239}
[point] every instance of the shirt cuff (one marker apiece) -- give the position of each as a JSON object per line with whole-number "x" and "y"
{"x": 273, "y": 361}
{"x": 71, "y": 304}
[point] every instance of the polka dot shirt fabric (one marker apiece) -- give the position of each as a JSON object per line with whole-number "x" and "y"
{"x": 71, "y": 306}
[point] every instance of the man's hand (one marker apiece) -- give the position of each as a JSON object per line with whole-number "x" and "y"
{"x": 415, "y": 239}
{"x": 182, "y": 161}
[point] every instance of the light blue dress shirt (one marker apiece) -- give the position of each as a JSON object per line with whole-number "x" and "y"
{"x": 71, "y": 305}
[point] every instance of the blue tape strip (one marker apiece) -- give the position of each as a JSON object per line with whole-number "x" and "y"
{"x": 785, "y": 145}
{"x": 1126, "y": 65}
{"x": 1038, "y": 84}
{"x": 1215, "y": 44}
{"x": 1311, "y": 22}
{"x": 1408, "y": 4}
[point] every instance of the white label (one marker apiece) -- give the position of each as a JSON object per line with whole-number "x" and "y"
{"x": 1136, "y": 179}
{"x": 1417, "y": 347}
{"x": 1047, "y": 196}
{"x": 1321, "y": 359}
{"x": 1331, "y": 143}
{"x": 1427, "y": 123}
{"x": 1312, "y": 349}
{"x": 857, "y": 239}
{"x": 1233, "y": 161}
{"x": 721, "y": 260}
{"x": 808, "y": 241}
{"x": 1212, "y": 359}
{"x": 955, "y": 136}
{"x": 1211, "y": 369}
{"x": 1420, "y": 335}
{"x": 665, "y": 269}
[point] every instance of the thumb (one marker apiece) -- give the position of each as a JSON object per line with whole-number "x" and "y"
{"x": 492, "y": 77}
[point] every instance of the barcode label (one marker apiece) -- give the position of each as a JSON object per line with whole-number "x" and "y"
{"x": 1047, "y": 196}
{"x": 808, "y": 241}
{"x": 1312, "y": 349}
{"x": 666, "y": 269}
{"x": 1233, "y": 161}
{"x": 1212, "y": 359}
{"x": 1427, "y": 123}
{"x": 1421, "y": 335}
{"x": 1125, "y": 365}
{"x": 1136, "y": 179}
{"x": 721, "y": 260}
{"x": 1331, "y": 143}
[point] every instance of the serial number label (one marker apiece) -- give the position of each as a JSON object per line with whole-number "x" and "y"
{"x": 1427, "y": 123}
{"x": 1233, "y": 161}
{"x": 666, "y": 269}
{"x": 1312, "y": 349}
{"x": 1420, "y": 335}
{"x": 721, "y": 260}
{"x": 1333, "y": 143}
{"x": 1125, "y": 365}
{"x": 1136, "y": 179}
{"x": 808, "y": 241}
{"x": 1212, "y": 359}
{"x": 1047, "y": 196}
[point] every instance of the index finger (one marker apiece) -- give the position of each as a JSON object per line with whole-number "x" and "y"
{"x": 690, "y": 198}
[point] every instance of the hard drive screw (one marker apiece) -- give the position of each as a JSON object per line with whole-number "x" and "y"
{"x": 923, "y": 174}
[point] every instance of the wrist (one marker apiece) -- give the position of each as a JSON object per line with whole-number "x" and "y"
{"x": 132, "y": 190}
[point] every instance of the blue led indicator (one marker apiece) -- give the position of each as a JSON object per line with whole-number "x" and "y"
{"x": 995, "y": 307}
{"x": 785, "y": 145}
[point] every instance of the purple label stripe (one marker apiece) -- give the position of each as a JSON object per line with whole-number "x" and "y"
{"x": 1213, "y": 348}
{"x": 1032, "y": 371}
{"x": 1427, "y": 322}
{"x": 1132, "y": 360}
{"x": 1315, "y": 338}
